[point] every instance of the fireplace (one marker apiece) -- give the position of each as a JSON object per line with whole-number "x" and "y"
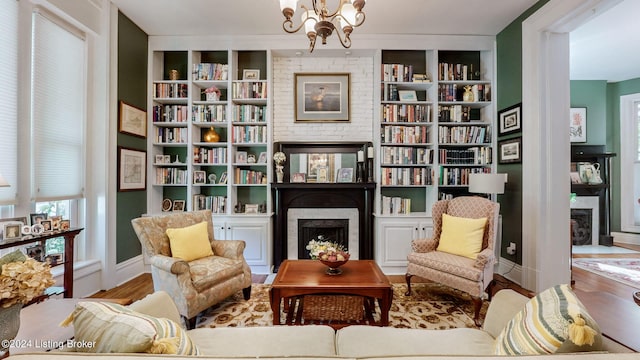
{"x": 338, "y": 224}
{"x": 334, "y": 230}
{"x": 585, "y": 220}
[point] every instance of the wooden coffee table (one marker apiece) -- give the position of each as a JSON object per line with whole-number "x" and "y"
{"x": 297, "y": 278}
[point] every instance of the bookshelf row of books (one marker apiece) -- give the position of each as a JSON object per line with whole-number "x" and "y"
{"x": 205, "y": 155}
{"x": 216, "y": 203}
{"x": 249, "y": 113}
{"x": 464, "y": 134}
{"x": 393, "y": 134}
{"x": 454, "y": 92}
{"x": 406, "y": 113}
{"x": 406, "y": 176}
{"x": 458, "y": 72}
{"x": 395, "y": 205}
{"x": 397, "y": 72}
{"x": 477, "y": 155}
{"x": 164, "y": 90}
{"x": 249, "y": 90}
{"x": 210, "y": 71}
{"x": 454, "y": 113}
{"x": 458, "y": 176}
{"x": 404, "y": 155}
{"x": 209, "y": 113}
{"x": 170, "y": 135}
{"x": 244, "y": 176}
{"x": 171, "y": 176}
{"x": 170, "y": 113}
{"x": 249, "y": 134}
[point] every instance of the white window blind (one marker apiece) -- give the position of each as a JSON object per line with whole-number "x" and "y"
{"x": 9, "y": 99}
{"x": 58, "y": 83}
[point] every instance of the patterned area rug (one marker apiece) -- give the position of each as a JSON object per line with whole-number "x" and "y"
{"x": 626, "y": 271}
{"x": 430, "y": 306}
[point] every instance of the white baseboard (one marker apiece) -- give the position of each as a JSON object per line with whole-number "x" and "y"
{"x": 509, "y": 270}
{"x": 129, "y": 269}
{"x": 626, "y": 238}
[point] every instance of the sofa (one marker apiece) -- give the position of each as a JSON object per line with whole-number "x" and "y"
{"x": 352, "y": 342}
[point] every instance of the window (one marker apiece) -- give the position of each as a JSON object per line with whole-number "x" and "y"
{"x": 9, "y": 101}
{"x": 630, "y": 159}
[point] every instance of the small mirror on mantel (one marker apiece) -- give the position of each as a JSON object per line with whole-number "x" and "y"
{"x": 321, "y": 167}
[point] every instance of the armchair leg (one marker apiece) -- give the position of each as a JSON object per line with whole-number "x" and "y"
{"x": 407, "y": 278}
{"x": 191, "y": 323}
{"x": 477, "y": 305}
{"x": 246, "y": 292}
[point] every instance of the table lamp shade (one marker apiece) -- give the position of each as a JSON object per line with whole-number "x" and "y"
{"x": 3, "y": 182}
{"x": 487, "y": 183}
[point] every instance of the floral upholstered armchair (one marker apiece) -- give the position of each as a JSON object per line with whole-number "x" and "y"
{"x": 457, "y": 264}
{"x": 197, "y": 284}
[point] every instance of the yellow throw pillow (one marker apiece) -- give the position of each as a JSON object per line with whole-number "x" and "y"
{"x": 191, "y": 242}
{"x": 461, "y": 236}
{"x": 101, "y": 327}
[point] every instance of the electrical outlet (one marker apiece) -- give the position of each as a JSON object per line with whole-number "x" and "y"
{"x": 511, "y": 249}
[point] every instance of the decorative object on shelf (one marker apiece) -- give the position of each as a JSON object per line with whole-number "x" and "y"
{"x": 174, "y": 74}
{"x": 132, "y": 166}
{"x": 510, "y": 151}
{"x": 47, "y": 225}
{"x": 211, "y": 135}
{"x": 37, "y": 229}
{"x": 36, "y": 218}
{"x": 370, "y": 164}
{"x": 21, "y": 220}
{"x": 26, "y": 230}
{"x": 223, "y": 178}
{"x": 251, "y": 159}
{"x": 279, "y": 158}
{"x": 467, "y": 95}
{"x": 133, "y": 121}
{"x": 178, "y": 205}
{"x": 589, "y": 173}
{"x": 345, "y": 175}
{"x": 167, "y": 205}
{"x": 65, "y": 225}
{"x": 241, "y": 157}
{"x": 212, "y": 178}
{"x": 212, "y": 93}
{"x": 21, "y": 280}
{"x": 578, "y": 130}
{"x": 407, "y": 95}
{"x": 320, "y": 21}
{"x": 298, "y": 178}
{"x": 250, "y": 74}
{"x": 199, "y": 177}
{"x": 251, "y": 208}
{"x": 510, "y": 119}
{"x": 329, "y": 253}
{"x": 12, "y": 231}
{"x": 322, "y": 97}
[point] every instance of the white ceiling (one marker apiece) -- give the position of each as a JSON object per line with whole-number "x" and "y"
{"x": 613, "y": 35}
{"x": 608, "y": 46}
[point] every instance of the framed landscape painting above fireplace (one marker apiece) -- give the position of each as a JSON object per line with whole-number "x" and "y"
{"x": 321, "y": 97}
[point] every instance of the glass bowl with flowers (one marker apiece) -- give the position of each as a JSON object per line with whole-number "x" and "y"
{"x": 330, "y": 253}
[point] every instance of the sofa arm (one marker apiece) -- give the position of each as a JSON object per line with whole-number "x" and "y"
{"x": 484, "y": 258}
{"x": 231, "y": 249}
{"x": 504, "y": 305}
{"x": 424, "y": 245}
{"x": 169, "y": 264}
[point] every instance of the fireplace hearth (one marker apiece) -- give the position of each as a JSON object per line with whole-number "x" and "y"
{"x": 334, "y": 230}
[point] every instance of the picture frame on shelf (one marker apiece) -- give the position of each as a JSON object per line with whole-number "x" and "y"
{"x": 132, "y": 120}
{"x": 37, "y": 229}
{"x": 26, "y": 230}
{"x": 241, "y": 157}
{"x": 178, "y": 205}
{"x": 298, "y": 178}
{"x": 36, "y": 218}
{"x": 262, "y": 158}
{"x": 159, "y": 159}
{"x": 20, "y": 220}
{"x": 407, "y": 95}
{"x": 167, "y": 205}
{"x": 251, "y": 74}
{"x": 322, "y": 97}
{"x": 510, "y": 119}
{"x": 55, "y": 222}
{"x": 65, "y": 225}
{"x": 345, "y": 175}
{"x": 132, "y": 166}
{"x": 223, "y": 178}
{"x": 166, "y": 159}
{"x": 199, "y": 177}
{"x": 12, "y": 231}
{"x": 575, "y": 177}
{"x": 323, "y": 174}
{"x": 47, "y": 225}
{"x": 251, "y": 208}
{"x": 54, "y": 259}
{"x": 510, "y": 151}
{"x": 36, "y": 252}
{"x": 314, "y": 162}
{"x": 578, "y": 124}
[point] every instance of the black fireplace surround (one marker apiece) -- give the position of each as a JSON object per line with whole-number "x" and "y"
{"x": 286, "y": 195}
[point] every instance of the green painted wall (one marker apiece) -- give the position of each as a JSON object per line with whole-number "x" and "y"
{"x": 132, "y": 89}
{"x": 614, "y": 91}
{"x": 509, "y": 86}
{"x": 592, "y": 94}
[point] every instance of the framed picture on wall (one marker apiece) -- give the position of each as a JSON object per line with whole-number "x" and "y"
{"x": 132, "y": 121}
{"x": 509, "y": 119}
{"x": 578, "y": 123}
{"x": 321, "y": 97}
{"x": 510, "y": 151}
{"x": 132, "y": 169}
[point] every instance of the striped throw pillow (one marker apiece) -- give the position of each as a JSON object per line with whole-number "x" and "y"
{"x": 554, "y": 321}
{"x": 113, "y": 328}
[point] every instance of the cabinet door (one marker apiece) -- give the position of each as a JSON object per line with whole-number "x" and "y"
{"x": 255, "y": 234}
{"x": 395, "y": 241}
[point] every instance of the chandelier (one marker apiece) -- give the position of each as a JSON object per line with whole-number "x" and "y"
{"x": 319, "y": 21}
